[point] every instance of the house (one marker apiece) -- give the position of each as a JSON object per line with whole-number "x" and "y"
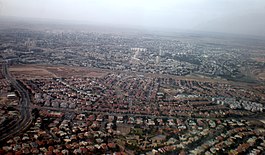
{"x": 11, "y": 95}
{"x": 158, "y": 139}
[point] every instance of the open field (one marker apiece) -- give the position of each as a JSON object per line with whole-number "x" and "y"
{"x": 30, "y": 72}
{"x": 42, "y": 71}
{"x": 261, "y": 75}
{"x": 260, "y": 59}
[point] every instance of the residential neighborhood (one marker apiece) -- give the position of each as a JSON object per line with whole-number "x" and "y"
{"x": 81, "y": 91}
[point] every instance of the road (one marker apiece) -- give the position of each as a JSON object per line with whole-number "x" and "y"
{"x": 25, "y": 118}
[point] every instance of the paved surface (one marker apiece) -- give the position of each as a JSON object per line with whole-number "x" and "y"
{"x": 25, "y": 118}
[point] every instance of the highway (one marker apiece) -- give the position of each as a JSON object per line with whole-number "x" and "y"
{"x": 25, "y": 118}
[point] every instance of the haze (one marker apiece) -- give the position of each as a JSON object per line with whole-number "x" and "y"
{"x": 228, "y": 16}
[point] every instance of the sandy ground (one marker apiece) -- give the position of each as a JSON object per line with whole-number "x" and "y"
{"x": 29, "y": 72}
{"x": 41, "y": 71}
{"x": 261, "y": 76}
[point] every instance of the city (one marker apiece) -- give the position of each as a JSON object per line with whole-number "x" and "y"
{"x": 97, "y": 93}
{"x": 132, "y": 77}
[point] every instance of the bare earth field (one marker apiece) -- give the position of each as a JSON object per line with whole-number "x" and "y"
{"x": 258, "y": 55}
{"x": 260, "y": 59}
{"x": 45, "y": 71}
{"x": 42, "y": 71}
{"x": 30, "y": 72}
{"x": 261, "y": 75}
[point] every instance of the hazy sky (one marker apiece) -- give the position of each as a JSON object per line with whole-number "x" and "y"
{"x": 236, "y": 16}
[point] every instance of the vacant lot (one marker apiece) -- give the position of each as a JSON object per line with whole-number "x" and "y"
{"x": 42, "y": 71}
{"x": 261, "y": 75}
{"x": 30, "y": 72}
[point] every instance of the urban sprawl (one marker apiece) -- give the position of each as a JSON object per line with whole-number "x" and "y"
{"x": 87, "y": 92}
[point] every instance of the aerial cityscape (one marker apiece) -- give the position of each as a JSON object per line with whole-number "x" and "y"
{"x": 83, "y": 89}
